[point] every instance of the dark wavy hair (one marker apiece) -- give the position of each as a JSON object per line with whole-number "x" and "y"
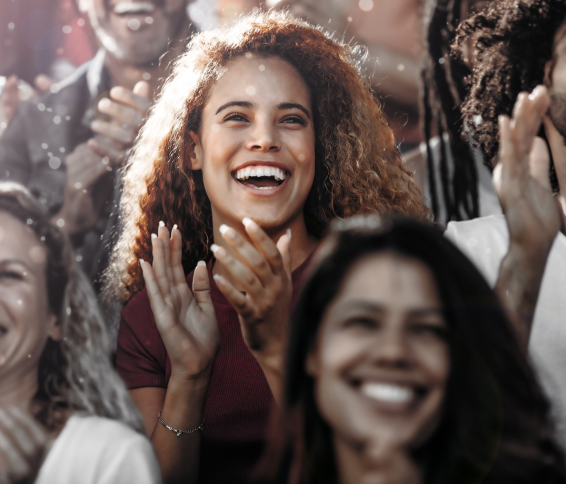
{"x": 515, "y": 41}
{"x": 357, "y": 168}
{"x": 495, "y": 426}
{"x": 75, "y": 373}
{"x": 442, "y": 91}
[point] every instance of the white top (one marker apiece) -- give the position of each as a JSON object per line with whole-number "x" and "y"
{"x": 486, "y": 241}
{"x": 96, "y": 450}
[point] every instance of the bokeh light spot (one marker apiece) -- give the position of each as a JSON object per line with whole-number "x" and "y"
{"x": 250, "y": 90}
{"x": 366, "y": 5}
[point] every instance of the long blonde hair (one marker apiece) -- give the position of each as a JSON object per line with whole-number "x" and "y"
{"x": 357, "y": 167}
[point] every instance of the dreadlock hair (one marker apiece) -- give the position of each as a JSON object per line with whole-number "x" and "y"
{"x": 515, "y": 40}
{"x": 443, "y": 90}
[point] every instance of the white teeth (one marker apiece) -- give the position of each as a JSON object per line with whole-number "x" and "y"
{"x": 261, "y": 171}
{"x": 133, "y": 7}
{"x": 387, "y": 393}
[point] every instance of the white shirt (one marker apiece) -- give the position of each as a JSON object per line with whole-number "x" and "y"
{"x": 96, "y": 450}
{"x": 486, "y": 241}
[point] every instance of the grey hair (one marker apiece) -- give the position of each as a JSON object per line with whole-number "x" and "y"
{"x": 76, "y": 372}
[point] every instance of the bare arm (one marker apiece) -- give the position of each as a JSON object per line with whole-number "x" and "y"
{"x": 522, "y": 183}
{"x": 187, "y": 324}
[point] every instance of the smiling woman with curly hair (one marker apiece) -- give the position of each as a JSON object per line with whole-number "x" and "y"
{"x": 264, "y": 129}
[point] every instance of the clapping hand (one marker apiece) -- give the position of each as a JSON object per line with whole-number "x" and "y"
{"x": 22, "y": 447}
{"x": 186, "y": 321}
{"x": 262, "y": 269}
{"x": 521, "y": 176}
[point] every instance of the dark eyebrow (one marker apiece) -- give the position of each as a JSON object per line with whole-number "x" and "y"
{"x": 294, "y": 106}
{"x": 242, "y": 104}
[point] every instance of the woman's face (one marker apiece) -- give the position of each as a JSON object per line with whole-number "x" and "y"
{"x": 381, "y": 360}
{"x": 26, "y": 320}
{"x": 255, "y": 145}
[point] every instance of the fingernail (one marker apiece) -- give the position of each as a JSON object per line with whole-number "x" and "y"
{"x": 216, "y": 277}
{"x": 153, "y": 236}
{"x": 201, "y": 263}
{"x": 289, "y": 232}
{"x": 223, "y": 229}
{"x": 161, "y": 224}
{"x": 214, "y": 248}
{"x": 104, "y": 102}
{"x": 95, "y": 125}
{"x": 141, "y": 261}
{"x": 174, "y": 227}
{"x": 246, "y": 221}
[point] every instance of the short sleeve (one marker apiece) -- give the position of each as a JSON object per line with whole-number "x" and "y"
{"x": 141, "y": 358}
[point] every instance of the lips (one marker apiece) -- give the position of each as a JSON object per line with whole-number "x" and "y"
{"x": 265, "y": 177}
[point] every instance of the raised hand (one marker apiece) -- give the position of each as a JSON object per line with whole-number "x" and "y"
{"x": 521, "y": 175}
{"x": 186, "y": 321}
{"x": 22, "y": 447}
{"x": 522, "y": 183}
{"x": 263, "y": 272}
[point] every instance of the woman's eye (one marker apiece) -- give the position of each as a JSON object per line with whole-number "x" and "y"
{"x": 235, "y": 117}
{"x": 293, "y": 120}
{"x": 430, "y": 330}
{"x": 361, "y": 322}
{"x": 11, "y": 275}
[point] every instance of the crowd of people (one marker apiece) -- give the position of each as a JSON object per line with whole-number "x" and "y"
{"x": 217, "y": 267}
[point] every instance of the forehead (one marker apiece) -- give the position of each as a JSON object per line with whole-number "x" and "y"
{"x": 260, "y": 79}
{"x": 390, "y": 280}
{"x": 18, "y": 241}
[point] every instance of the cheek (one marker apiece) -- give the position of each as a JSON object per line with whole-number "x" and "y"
{"x": 434, "y": 359}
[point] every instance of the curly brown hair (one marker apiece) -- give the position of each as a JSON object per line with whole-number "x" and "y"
{"x": 357, "y": 168}
{"x": 515, "y": 40}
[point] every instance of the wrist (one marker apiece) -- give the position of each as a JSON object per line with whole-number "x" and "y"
{"x": 518, "y": 253}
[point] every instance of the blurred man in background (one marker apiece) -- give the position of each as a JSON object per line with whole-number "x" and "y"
{"x": 67, "y": 145}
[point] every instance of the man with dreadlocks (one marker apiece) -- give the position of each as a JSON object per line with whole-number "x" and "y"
{"x": 451, "y": 174}
{"x": 521, "y": 49}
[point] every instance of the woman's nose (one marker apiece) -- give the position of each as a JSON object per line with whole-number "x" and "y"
{"x": 264, "y": 137}
{"x": 391, "y": 349}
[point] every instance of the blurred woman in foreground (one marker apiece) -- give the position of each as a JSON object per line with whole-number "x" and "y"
{"x": 402, "y": 367}
{"x": 65, "y": 416}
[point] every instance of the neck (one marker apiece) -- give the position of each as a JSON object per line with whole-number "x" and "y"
{"x": 128, "y": 75}
{"x": 357, "y": 464}
{"x": 18, "y": 390}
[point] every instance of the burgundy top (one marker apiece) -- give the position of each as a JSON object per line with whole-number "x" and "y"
{"x": 239, "y": 400}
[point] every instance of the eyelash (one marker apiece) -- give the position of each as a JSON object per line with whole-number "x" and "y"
{"x": 11, "y": 275}
{"x": 232, "y": 117}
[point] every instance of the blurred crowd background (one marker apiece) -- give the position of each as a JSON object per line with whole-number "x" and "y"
{"x": 43, "y": 41}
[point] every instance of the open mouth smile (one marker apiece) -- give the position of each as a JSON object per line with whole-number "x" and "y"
{"x": 261, "y": 177}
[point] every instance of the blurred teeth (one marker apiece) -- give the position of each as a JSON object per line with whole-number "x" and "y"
{"x": 387, "y": 393}
{"x": 249, "y": 172}
{"x": 133, "y": 7}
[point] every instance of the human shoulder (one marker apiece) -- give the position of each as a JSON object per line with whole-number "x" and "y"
{"x": 95, "y": 450}
{"x": 484, "y": 240}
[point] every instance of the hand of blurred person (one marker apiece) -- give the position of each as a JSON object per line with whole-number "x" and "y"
{"x": 128, "y": 110}
{"x": 104, "y": 152}
{"x": 263, "y": 271}
{"x": 186, "y": 320}
{"x": 523, "y": 185}
{"x": 22, "y": 447}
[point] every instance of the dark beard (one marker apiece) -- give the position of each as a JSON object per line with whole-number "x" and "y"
{"x": 557, "y": 113}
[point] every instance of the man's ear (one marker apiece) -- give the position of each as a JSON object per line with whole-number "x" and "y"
{"x": 548, "y": 73}
{"x": 194, "y": 152}
{"x": 55, "y": 330}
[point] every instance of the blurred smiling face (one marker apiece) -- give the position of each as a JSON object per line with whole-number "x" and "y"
{"x": 381, "y": 360}
{"x": 255, "y": 145}
{"x": 26, "y": 320}
{"x": 136, "y": 31}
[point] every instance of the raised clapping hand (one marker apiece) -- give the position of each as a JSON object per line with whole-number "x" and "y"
{"x": 102, "y": 153}
{"x": 22, "y": 447}
{"x": 521, "y": 176}
{"x": 186, "y": 321}
{"x": 262, "y": 270}
{"x": 522, "y": 182}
